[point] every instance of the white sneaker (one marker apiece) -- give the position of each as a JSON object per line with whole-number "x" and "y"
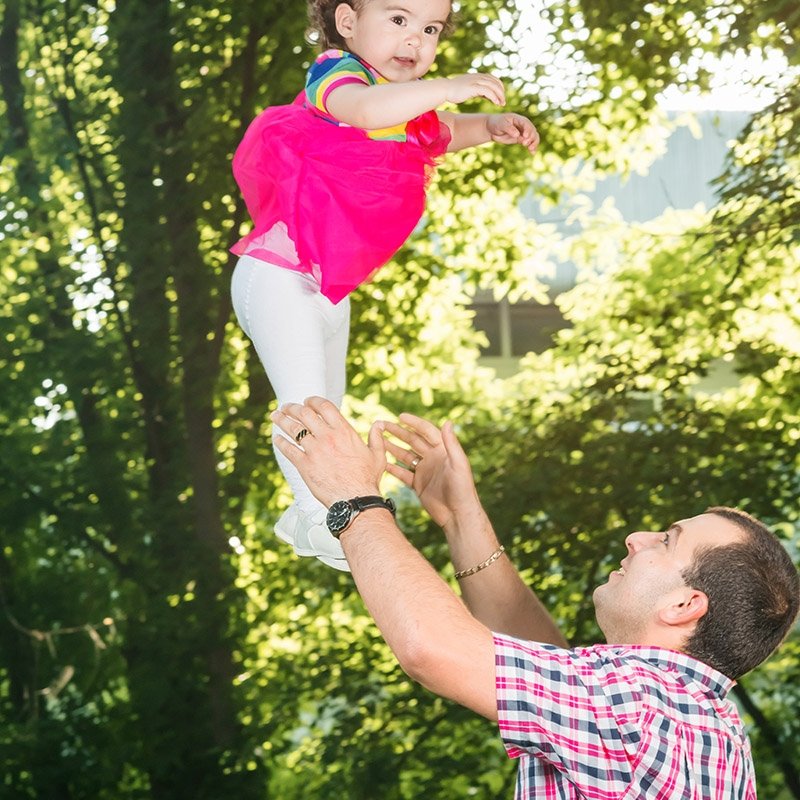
{"x": 309, "y": 536}
{"x": 286, "y": 526}
{"x": 313, "y": 538}
{"x": 337, "y": 563}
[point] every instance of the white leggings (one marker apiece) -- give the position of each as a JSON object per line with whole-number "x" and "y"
{"x": 301, "y": 339}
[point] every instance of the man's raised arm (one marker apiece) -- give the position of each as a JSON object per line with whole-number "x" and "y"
{"x": 433, "y": 463}
{"x": 435, "y": 638}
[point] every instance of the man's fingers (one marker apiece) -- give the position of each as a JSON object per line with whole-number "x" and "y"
{"x": 452, "y": 446}
{"x": 407, "y": 460}
{"x": 400, "y": 453}
{"x": 284, "y": 422}
{"x": 316, "y": 415}
{"x": 289, "y": 449}
{"x": 404, "y": 475}
{"x": 289, "y": 412}
{"x": 326, "y": 410}
{"x": 418, "y": 443}
{"x": 423, "y": 427}
{"x": 398, "y": 431}
{"x": 296, "y": 421}
{"x": 375, "y": 440}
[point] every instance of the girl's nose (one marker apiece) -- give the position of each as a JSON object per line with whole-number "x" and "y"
{"x": 413, "y": 39}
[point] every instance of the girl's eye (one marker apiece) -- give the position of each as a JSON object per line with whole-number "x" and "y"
{"x": 432, "y": 30}
{"x": 398, "y": 20}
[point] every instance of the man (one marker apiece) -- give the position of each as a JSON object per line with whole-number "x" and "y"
{"x": 645, "y": 716}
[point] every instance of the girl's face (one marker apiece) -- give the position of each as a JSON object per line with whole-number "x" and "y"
{"x": 398, "y": 38}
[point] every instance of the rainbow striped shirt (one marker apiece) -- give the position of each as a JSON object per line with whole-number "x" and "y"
{"x": 335, "y": 68}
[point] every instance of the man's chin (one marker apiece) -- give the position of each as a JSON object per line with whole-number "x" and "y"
{"x": 600, "y": 602}
{"x": 599, "y": 592}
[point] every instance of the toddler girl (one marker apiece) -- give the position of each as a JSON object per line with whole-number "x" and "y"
{"x": 335, "y": 183}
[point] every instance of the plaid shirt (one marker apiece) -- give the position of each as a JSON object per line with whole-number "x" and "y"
{"x": 628, "y": 722}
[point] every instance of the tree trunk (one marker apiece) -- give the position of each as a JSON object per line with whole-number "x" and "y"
{"x": 180, "y": 658}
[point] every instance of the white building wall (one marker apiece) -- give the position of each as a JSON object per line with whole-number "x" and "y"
{"x": 680, "y": 179}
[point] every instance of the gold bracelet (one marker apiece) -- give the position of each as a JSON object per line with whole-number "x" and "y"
{"x": 478, "y": 567}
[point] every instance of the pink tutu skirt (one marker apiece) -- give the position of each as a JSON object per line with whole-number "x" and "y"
{"x": 347, "y": 203}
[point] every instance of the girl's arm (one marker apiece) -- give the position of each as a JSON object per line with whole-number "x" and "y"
{"x": 390, "y": 104}
{"x": 468, "y": 130}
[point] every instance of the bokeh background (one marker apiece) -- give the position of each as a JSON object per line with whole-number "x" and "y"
{"x": 610, "y": 365}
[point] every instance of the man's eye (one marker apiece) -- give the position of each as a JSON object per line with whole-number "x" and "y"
{"x": 665, "y": 540}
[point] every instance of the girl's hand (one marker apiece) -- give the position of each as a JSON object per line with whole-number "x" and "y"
{"x": 475, "y": 84}
{"x": 432, "y": 463}
{"x": 513, "y": 129}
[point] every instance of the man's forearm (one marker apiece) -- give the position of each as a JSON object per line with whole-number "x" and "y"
{"x": 496, "y": 595}
{"x": 432, "y": 462}
{"x": 435, "y": 638}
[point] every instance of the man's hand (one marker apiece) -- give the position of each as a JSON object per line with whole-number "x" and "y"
{"x": 513, "y": 129}
{"x": 331, "y": 457}
{"x": 434, "y": 465}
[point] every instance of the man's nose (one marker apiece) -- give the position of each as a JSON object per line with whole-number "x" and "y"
{"x": 639, "y": 539}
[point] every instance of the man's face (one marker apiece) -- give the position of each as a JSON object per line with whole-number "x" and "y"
{"x": 650, "y": 576}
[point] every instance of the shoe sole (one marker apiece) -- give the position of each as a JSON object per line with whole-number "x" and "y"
{"x": 329, "y": 561}
{"x": 337, "y": 563}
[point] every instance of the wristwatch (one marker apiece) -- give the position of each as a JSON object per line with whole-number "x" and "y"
{"x": 342, "y": 513}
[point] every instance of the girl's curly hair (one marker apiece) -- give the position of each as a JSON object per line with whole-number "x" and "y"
{"x": 322, "y": 22}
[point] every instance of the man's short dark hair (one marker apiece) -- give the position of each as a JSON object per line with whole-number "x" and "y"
{"x": 753, "y": 591}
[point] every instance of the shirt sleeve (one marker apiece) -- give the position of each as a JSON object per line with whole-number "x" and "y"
{"x": 569, "y": 708}
{"x": 332, "y": 69}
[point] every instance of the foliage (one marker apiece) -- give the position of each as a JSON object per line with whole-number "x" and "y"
{"x": 155, "y": 641}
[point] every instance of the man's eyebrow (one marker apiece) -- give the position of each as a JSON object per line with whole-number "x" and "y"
{"x": 675, "y": 531}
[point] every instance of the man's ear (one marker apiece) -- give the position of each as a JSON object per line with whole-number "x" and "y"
{"x": 684, "y": 607}
{"x": 344, "y": 17}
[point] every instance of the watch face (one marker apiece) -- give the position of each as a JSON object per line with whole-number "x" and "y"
{"x": 339, "y": 516}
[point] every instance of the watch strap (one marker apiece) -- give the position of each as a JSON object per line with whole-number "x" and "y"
{"x": 373, "y": 501}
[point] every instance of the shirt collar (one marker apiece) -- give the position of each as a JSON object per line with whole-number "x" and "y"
{"x": 367, "y": 66}
{"x": 715, "y": 683}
